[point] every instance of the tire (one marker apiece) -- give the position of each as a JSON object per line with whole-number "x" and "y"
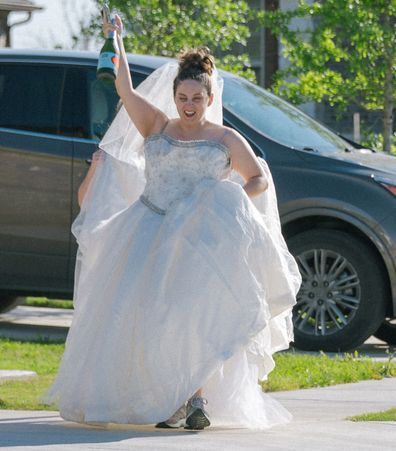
{"x": 8, "y": 302}
{"x": 387, "y": 331}
{"x": 342, "y": 298}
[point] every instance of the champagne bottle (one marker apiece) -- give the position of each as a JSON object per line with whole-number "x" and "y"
{"x": 108, "y": 57}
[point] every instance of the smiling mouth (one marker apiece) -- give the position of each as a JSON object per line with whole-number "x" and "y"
{"x": 189, "y": 113}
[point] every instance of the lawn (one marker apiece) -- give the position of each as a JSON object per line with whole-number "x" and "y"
{"x": 43, "y": 358}
{"x": 45, "y": 302}
{"x": 386, "y": 415}
{"x": 293, "y": 371}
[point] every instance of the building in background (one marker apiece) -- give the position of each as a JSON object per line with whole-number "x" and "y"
{"x": 7, "y": 8}
{"x": 266, "y": 57}
{"x": 263, "y": 46}
{"x": 265, "y": 50}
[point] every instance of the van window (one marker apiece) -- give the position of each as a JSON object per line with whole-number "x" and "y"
{"x": 89, "y": 105}
{"x": 75, "y": 114}
{"x": 30, "y": 97}
{"x": 104, "y": 103}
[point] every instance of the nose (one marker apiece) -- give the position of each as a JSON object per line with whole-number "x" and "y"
{"x": 189, "y": 102}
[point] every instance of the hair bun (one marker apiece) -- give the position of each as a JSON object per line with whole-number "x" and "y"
{"x": 198, "y": 59}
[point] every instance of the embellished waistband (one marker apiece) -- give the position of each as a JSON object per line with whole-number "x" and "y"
{"x": 152, "y": 207}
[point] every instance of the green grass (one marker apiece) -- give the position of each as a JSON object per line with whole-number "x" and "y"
{"x": 293, "y": 371}
{"x": 385, "y": 415}
{"x": 45, "y": 302}
{"x": 41, "y": 357}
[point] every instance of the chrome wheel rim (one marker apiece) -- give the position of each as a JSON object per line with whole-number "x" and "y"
{"x": 330, "y": 293}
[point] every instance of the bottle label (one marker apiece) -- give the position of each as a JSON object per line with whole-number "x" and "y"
{"x": 108, "y": 60}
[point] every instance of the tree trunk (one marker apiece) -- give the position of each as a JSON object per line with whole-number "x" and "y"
{"x": 271, "y": 63}
{"x": 388, "y": 90}
{"x": 388, "y": 107}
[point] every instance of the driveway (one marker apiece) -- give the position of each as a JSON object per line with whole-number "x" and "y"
{"x": 319, "y": 424}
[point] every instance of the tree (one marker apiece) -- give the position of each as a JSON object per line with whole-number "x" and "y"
{"x": 165, "y": 27}
{"x": 347, "y": 57}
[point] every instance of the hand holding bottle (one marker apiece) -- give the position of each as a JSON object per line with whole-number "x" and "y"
{"x": 115, "y": 26}
{"x": 113, "y": 29}
{"x": 109, "y": 55}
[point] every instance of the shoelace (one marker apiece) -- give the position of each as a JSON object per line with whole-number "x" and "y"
{"x": 198, "y": 402}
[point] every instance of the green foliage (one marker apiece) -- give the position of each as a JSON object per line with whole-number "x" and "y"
{"x": 342, "y": 55}
{"x": 239, "y": 65}
{"x": 166, "y": 27}
{"x": 387, "y": 369}
{"x": 342, "y": 58}
{"x": 375, "y": 141}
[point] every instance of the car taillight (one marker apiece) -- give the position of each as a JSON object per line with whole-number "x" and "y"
{"x": 388, "y": 184}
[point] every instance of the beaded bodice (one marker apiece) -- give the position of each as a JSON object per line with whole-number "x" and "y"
{"x": 174, "y": 167}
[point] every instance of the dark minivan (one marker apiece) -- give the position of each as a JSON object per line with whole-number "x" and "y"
{"x": 337, "y": 202}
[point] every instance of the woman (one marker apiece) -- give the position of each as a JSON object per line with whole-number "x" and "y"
{"x": 183, "y": 289}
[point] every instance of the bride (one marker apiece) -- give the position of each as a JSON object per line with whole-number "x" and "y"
{"x": 184, "y": 284}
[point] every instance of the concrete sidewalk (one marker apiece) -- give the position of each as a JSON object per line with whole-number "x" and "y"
{"x": 30, "y": 323}
{"x": 319, "y": 424}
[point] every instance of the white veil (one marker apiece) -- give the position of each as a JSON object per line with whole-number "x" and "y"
{"x": 122, "y": 140}
{"x": 119, "y": 177}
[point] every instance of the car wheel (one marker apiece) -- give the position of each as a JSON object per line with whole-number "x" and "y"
{"x": 387, "y": 331}
{"x": 8, "y": 302}
{"x": 342, "y": 299}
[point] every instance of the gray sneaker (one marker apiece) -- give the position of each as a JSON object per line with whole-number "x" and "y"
{"x": 177, "y": 420}
{"x": 197, "y": 417}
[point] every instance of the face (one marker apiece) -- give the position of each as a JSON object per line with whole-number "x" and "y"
{"x": 192, "y": 100}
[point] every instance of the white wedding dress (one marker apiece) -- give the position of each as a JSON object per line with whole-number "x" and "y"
{"x": 181, "y": 288}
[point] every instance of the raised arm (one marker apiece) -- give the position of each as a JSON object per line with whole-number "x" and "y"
{"x": 146, "y": 117}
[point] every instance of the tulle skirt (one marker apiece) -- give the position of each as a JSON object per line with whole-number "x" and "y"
{"x": 167, "y": 304}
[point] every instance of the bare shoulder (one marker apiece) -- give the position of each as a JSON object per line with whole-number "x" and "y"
{"x": 237, "y": 145}
{"x": 233, "y": 139}
{"x": 228, "y": 136}
{"x": 242, "y": 155}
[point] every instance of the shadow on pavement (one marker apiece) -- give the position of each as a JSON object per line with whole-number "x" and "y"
{"x": 50, "y": 430}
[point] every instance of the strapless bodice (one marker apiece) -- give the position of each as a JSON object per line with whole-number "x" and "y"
{"x": 174, "y": 167}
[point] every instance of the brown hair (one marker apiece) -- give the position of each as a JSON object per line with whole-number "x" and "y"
{"x": 195, "y": 64}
